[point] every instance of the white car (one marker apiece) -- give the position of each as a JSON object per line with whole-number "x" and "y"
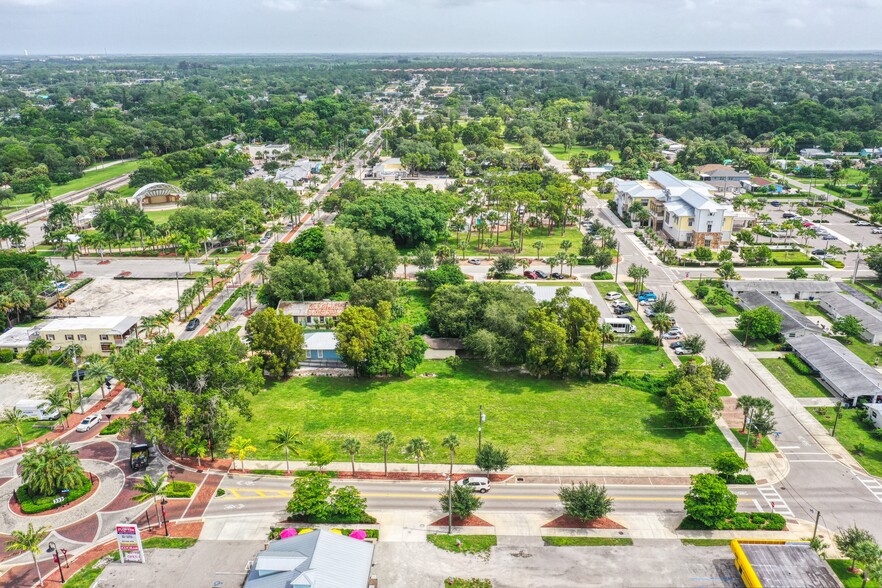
{"x": 862, "y": 224}
{"x": 682, "y": 351}
{"x": 475, "y": 261}
{"x": 877, "y": 230}
{"x": 88, "y": 422}
{"x": 613, "y": 295}
{"x": 476, "y": 483}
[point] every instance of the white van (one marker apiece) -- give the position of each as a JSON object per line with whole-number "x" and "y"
{"x": 34, "y": 408}
{"x": 621, "y": 325}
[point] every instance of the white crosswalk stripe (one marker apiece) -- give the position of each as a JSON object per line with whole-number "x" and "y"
{"x": 771, "y": 496}
{"x": 873, "y": 485}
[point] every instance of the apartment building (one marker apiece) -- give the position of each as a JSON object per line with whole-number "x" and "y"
{"x": 95, "y": 334}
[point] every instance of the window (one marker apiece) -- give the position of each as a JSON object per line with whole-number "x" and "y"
{"x": 81, "y": 337}
{"x": 319, "y": 354}
{"x": 106, "y": 347}
{"x": 50, "y": 337}
{"x": 68, "y": 337}
{"x": 707, "y": 241}
{"x": 104, "y": 337}
{"x": 691, "y": 221}
{"x": 710, "y": 227}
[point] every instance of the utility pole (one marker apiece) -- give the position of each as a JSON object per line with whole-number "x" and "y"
{"x": 815, "y": 532}
{"x": 79, "y": 386}
{"x": 857, "y": 263}
{"x": 749, "y": 425}
{"x": 836, "y": 420}
{"x": 480, "y": 424}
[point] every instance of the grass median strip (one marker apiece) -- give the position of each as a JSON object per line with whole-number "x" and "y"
{"x": 463, "y": 543}
{"x": 586, "y": 541}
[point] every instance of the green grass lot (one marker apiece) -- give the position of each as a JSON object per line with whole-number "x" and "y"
{"x": 468, "y": 543}
{"x": 160, "y": 216}
{"x": 807, "y": 308}
{"x": 558, "y": 151}
{"x": 586, "y": 541}
{"x": 756, "y": 344}
{"x": 849, "y": 579}
{"x": 551, "y": 243}
{"x": 53, "y": 376}
{"x": 852, "y": 430}
{"x": 799, "y": 385}
{"x": 765, "y": 446}
{"x": 89, "y": 179}
{"x": 794, "y": 257}
{"x": 31, "y": 430}
{"x": 728, "y": 310}
{"x": 538, "y": 421}
{"x": 869, "y": 288}
{"x": 866, "y": 351}
{"x": 642, "y": 359}
{"x": 416, "y": 305}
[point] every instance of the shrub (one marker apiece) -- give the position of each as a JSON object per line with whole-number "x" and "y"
{"x": 114, "y": 427}
{"x": 35, "y": 503}
{"x": 585, "y": 501}
{"x": 6, "y": 355}
{"x": 38, "y": 359}
{"x": 601, "y": 276}
{"x": 57, "y": 358}
{"x": 178, "y": 489}
{"x": 644, "y": 337}
{"x": 798, "y": 365}
{"x": 701, "y": 292}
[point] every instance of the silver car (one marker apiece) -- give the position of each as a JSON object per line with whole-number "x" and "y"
{"x": 476, "y": 483}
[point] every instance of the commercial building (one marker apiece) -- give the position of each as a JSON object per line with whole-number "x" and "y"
{"x": 793, "y": 322}
{"x": 318, "y": 559}
{"x": 839, "y": 305}
{"x": 784, "y": 289}
{"x": 296, "y": 174}
{"x": 321, "y": 313}
{"x": 547, "y": 293}
{"x": 841, "y": 371}
{"x": 389, "y": 168}
{"x": 723, "y": 177}
{"x": 95, "y": 334}
{"x": 781, "y": 564}
{"x": 683, "y": 211}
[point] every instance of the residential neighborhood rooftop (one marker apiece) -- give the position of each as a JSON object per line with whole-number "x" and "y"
{"x": 845, "y": 305}
{"x": 331, "y": 308}
{"x": 847, "y": 373}
{"x": 792, "y": 321}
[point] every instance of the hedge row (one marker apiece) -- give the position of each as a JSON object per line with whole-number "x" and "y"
{"x": 798, "y": 365}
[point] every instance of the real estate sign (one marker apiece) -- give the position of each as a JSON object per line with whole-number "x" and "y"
{"x": 128, "y": 538}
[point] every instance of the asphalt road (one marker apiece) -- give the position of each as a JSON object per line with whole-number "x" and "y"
{"x": 267, "y": 494}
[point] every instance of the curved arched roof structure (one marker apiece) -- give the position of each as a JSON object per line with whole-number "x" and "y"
{"x": 157, "y": 189}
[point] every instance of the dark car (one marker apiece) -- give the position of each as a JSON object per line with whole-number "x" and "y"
{"x": 541, "y": 275}
{"x": 530, "y": 274}
{"x": 775, "y": 203}
{"x": 676, "y": 344}
{"x": 818, "y": 252}
{"x": 558, "y": 276}
{"x": 191, "y": 326}
{"x": 78, "y": 375}
{"x": 622, "y": 309}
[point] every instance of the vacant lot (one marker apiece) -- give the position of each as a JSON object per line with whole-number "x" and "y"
{"x": 538, "y": 421}
{"x": 550, "y": 243}
{"x": 19, "y": 381}
{"x": 108, "y": 296}
{"x": 89, "y": 179}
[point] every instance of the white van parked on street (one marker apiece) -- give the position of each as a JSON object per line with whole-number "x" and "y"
{"x": 34, "y": 408}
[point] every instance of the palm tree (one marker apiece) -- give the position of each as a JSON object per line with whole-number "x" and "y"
{"x": 417, "y": 448}
{"x": 15, "y": 420}
{"x": 165, "y": 318}
{"x": 187, "y": 248}
{"x": 197, "y": 448}
{"x": 607, "y": 335}
{"x": 99, "y": 368}
{"x": 48, "y": 468}
{"x": 385, "y": 439}
{"x": 42, "y": 194}
{"x": 147, "y": 489}
{"x": 14, "y": 233}
{"x": 212, "y": 273}
{"x": 352, "y": 446}
{"x": 239, "y": 448}
{"x": 142, "y": 224}
{"x": 234, "y": 268}
{"x": 262, "y": 270}
{"x": 661, "y": 323}
{"x": 29, "y": 541}
{"x": 39, "y": 346}
{"x": 451, "y": 442}
{"x": 285, "y": 438}
{"x": 538, "y": 246}
{"x": 57, "y": 400}
{"x": 71, "y": 250}
{"x": 248, "y": 290}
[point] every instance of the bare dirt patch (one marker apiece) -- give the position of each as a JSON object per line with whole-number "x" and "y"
{"x": 470, "y": 521}
{"x": 568, "y": 522}
{"x": 107, "y": 296}
{"x": 21, "y": 386}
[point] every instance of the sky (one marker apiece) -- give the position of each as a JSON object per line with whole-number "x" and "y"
{"x": 434, "y": 26}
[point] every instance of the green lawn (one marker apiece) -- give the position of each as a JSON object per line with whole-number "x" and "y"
{"x": 551, "y": 243}
{"x": 869, "y": 287}
{"x": 756, "y": 344}
{"x": 467, "y": 543}
{"x": 605, "y": 287}
{"x": 53, "y": 376}
{"x": 851, "y": 431}
{"x": 793, "y": 257}
{"x": 706, "y": 542}
{"x": 160, "y": 216}
{"x": 727, "y": 310}
{"x": 765, "y": 446}
{"x": 867, "y": 351}
{"x": 558, "y": 151}
{"x": 89, "y": 179}
{"x": 586, "y": 541}
{"x": 416, "y": 305}
{"x": 807, "y": 308}
{"x": 642, "y": 359}
{"x": 538, "y": 421}
{"x": 799, "y": 385}
{"x": 849, "y": 579}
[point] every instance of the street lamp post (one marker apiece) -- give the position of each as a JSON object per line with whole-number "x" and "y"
{"x": 53, "y": 549}
{"x": 481, "y": 418}
{"x": 164, "y": 516}
{"x": 749, "y": 425}
{"x": 449, "y": 504}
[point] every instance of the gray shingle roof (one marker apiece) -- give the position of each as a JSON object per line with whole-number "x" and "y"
{"x": 841, "y": 368}
{"x": 843, "y": 305}
{"x": 321, "y": 559}
{"x": 791, "y": 319}
{"x": 788, "y": 286}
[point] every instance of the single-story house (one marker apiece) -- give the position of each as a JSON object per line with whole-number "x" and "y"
{"x": 319, "y": 559}
{"x": 793, "y": 322}
{"x": 840, "y": 370}
{"x": 95, "y": 334}
{"x": 442, "y": 347}
{"x": 18, "y": 338}
{"x": 314, "y": 313}
{"x": 874, "y": 411}
{"x": 785, "y": 289}
{"x": 812, "y": 152}
{"x": 391, "y": 167}
{"x": 839, "y": 305}
{"x": 592, "y": 173}
{"x": 321, "y": 347}
{"x": 296, "y": 174}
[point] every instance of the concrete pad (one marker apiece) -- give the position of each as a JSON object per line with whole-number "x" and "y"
{"x": 403, "y": 526}
{"x": 244, "y": 528}
{"x": 650, "y": 525}
{"x": 108, "y": 296}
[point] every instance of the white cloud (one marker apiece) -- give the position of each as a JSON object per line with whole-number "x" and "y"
{"x": 25, "y": 2}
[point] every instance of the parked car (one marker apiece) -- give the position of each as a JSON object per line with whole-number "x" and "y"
{"x": 78, "y": 375}
{"x": 530, "y": 274}
{"x": 541, "y": 275}
{"x": 610, "y": 295}
{"x": 818, "y": 252}
{"x": 646, "y": 302}
{"x": 682, "y": 351}
{"x": 191, "y": 326}
{"x": 676, "y": 344}
{"x": 88, "y": 422}
{"x": 628, "y": 317}
{"x": 475, "y": 261}
{"x": 675, "y": 329}
{"x": 829, "y": 237}
{"x": 263, "y": 240}
{"x": 476, "y": 483}
{"x": 558, "y": 276}
{"x": 877, "y": 230}
{"x": 775, "y": 203}
{"x": 862, "y": 224}
{"x": 649, "y": 296}
{"x": 672, "y": 335}
{"x": 622, "y": 309}
{"x": 649, "y": 313}
{"x": 789, "y": 215}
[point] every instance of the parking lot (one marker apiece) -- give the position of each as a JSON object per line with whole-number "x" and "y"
{"x": 838, "y": 225}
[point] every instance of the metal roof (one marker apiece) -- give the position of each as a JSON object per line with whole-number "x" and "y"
{"x": 843, "y": 305}
{"x": 842, "y": 369}
{"x": 319, "y": 340}
{"x": 775, "y": 286}
{"x": 117, "y": 325}
{"x": 156, "y": 189}
{"x": 789, "y": 565}
{"x": 791, "y": 319}
{"x": 321, "y": 559}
